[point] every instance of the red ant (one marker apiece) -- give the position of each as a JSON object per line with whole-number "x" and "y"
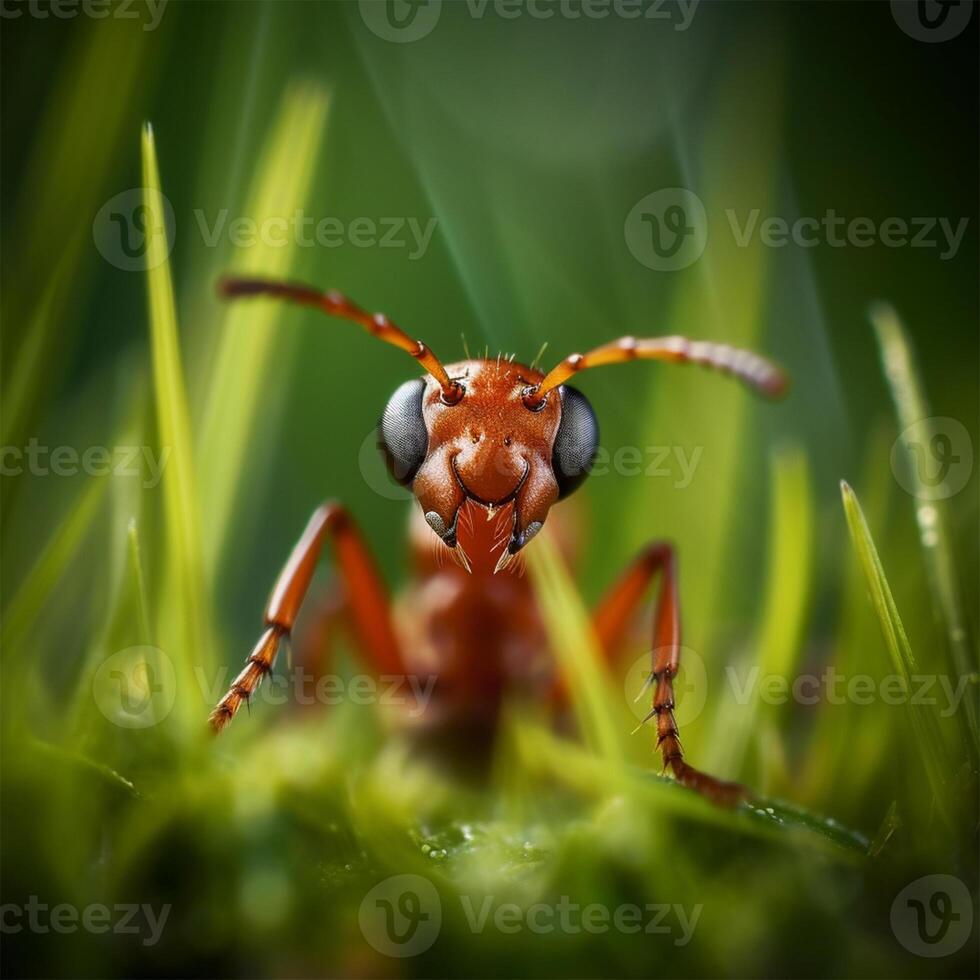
{"x": 487, "y": 447}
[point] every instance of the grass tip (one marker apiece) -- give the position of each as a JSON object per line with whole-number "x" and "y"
{"x": 880, "y": 309}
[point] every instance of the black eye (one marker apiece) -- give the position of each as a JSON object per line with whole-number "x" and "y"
{"x": 402, "y": 436}
{"x": 576, "y": 441}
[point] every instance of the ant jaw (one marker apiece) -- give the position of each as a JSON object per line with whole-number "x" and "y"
{"x": 521, "y": 538}
{"x": 484, "y": 538}
{"x": 449, "y": 538}
{"x": 448, "y": 535}
{"x": 517, "y": 541}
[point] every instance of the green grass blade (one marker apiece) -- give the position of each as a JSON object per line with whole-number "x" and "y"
{"x": 790, "y": 550}
{"x": 576, "y": 650}
{"x": 143, "y": 602}
{"x": 725, "y": 301}
{"x": 126, "y": 621}
{"x": 20, "y": 386}
{"x": 912, "y": 409}
{"x": 252, "y": 351}
{"x": 59, "y": 754}
{"x": 848, "y": 746}
{"x": 886, "y": 831}
{"x": 925, "y": 727}
{"x": 548, "y": 757}
{"x": 188, "y": 598}
{"x": 51, "y": 564}
{"x": 65, "y": 179}
{"x": 789, "y": 572}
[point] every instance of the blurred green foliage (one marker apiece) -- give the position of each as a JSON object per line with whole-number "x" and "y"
{"x": 528, "y": 141}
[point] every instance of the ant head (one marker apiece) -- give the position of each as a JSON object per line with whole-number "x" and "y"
{"x": 487, "y": 442}
{"x": 497, "y": 434}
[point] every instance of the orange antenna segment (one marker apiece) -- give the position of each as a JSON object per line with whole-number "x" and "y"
{"x": 336, "y": 304}
{"x": 760, "y": 374}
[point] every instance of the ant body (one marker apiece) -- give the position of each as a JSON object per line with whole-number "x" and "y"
{"x": 487, "y": 447}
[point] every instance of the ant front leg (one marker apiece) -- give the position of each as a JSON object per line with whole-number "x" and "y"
{"x": 610, "y": 622}
{"x": 366, "y": 596}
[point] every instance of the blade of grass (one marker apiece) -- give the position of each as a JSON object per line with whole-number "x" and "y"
{"x": 20, "y": 383}
{"x": 849, "y": 744}
{"x": 724, "y": 302}
{"x": 66, "y": 178}
{"x": 886, "y": 831}
{"x": 51, "y": 564}
{"x": 143, "y": 603}
{"x": 925, "y": 727}
{"x": 779, "y": 642}
{"x": 574, "y": 645}
{"x": 546, "y": 755}
{"x": 126, "y": 621}
{"x": 239, "y": 386}
{"x": 188, "y": 598}
{"x": 61, "y": 754}
{"x": 912, "y": 409}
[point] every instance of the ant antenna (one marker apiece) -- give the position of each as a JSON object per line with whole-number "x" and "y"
{"x": 336, "y": 304}
{"x": 755, "y": 371}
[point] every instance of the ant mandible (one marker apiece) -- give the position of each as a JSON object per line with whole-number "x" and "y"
{"x": 487, "y": 446}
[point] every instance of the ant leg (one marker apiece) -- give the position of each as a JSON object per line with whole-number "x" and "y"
{"x": 366, "y": 595}
{"x": 315, "y": 649}
{"x": 610, "y": 621}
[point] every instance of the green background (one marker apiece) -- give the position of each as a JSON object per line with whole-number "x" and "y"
{"x": 528, "y": 141}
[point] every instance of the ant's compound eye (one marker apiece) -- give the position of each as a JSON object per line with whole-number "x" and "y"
{"x": 402, "y": 436}
{"x": 576, "y": 441}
